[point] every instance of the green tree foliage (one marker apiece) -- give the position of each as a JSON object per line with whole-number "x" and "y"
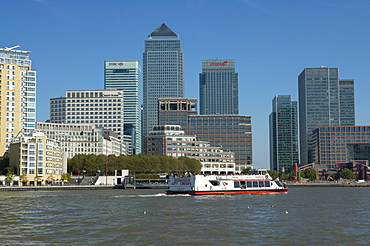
{"x": 23, "y": 178}
{"x": 246, "y": 170}
{"x": 345, "y": 173}
{"x": 274, "y": 174}
{"x": 66, "y": 177}
{"x": 135, "y": 163}
{"x": 9, "y": 177}
{"x": 310, "y": 174}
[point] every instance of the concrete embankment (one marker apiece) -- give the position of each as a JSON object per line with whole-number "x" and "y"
{"x": 327, "y": 184}
{"x": 66, "y": 187}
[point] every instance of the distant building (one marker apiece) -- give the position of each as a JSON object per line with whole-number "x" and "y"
{"x": 38, "y": 157}
{"x": 324, "y": 100}
{"x": 84, "y": 139}
{"x": 176, "y": 111}
{"x": 163, "y": 72}
{"x": 103, "y": 108}
{"x": 17, "y": 95}
{"x": 218, "y": 87}
{"x": 231, "y": 132}
{"x": 359, "y": 168}
{"x": 358, "y": 151}
{"x": 283, "y": 134}
{"x": 329, "y": 143}
{"x": 127, "y": 76}
{"x": 171, "y": 140}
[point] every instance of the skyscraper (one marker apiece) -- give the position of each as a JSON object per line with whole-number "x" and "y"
{"x": 218, "y": 87}
{"x": 283, "y": 133}
{"x": 17, "y": 95}
{"x": 163, "y": 74}
{"x": 324, "y": 100}
{"x": 127, "y": 76}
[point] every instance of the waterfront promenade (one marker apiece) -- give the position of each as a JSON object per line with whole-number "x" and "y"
{"x": 160, "y": 186}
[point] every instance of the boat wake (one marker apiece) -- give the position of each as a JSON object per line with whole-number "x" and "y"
{"x": 152, "y": 195}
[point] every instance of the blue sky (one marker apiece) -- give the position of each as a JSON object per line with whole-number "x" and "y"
{"x": 272, "y": 42}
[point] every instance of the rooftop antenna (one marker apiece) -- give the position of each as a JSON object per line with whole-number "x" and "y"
{"x": 8, "y": 49}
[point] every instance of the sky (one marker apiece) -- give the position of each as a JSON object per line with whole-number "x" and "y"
{"x": 271, "y": 42}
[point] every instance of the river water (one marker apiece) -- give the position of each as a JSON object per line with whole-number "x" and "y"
{"x": 304, "y": 216}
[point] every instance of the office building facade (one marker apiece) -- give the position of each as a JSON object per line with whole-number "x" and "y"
{"x": 176, "y": 111}
{"x": 163, "y": 73}
{"x": 103, "y": 108}
{"x": 127, "y": 76}
{"x": 83, "y": 139}
{"x": 231, "y": 132}
{"x": 324, "y": 100}
{"x": 283, "y": 134}
{"x": 17, "y": 95}
{"x": 171, "y": 140}
{"x": 330, "y": 144}
{"x": 218, "y": 87}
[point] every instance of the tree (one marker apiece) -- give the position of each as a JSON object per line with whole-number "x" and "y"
{"x": 23, "y": 178}
{"x": 66, "y": 177}
{"x": 310, "y": 174}
{"x": 246, "y": 170}
{"x": 9, "y": 177}
{"x": 274, "y": 174}
{"x": 345, "y": 173}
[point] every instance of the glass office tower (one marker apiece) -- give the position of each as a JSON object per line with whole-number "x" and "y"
{"x": 283, "y": 134}
{"x": 127, "y": 76}
{"x": 218, "y": 87}
{"x": 163, "y": 75}
{"x": 324, "y": 100}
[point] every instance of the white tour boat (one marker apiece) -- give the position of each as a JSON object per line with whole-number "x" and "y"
{"x": 258, "y": 182}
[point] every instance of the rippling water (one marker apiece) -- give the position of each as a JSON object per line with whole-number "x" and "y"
{"x": 304, "y": 216}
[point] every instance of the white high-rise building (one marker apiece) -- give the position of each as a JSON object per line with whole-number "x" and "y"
{"x": 103, "y": 108}
{"x": 17, "y": 95}
{"x": 127, "y": 76}
{"x": 163, "y": 72}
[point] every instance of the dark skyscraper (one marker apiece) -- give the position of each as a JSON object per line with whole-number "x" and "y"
{"x": 283, "y": 134}
{"x": 218, "y": 87}
{"x": 324, "y": 100}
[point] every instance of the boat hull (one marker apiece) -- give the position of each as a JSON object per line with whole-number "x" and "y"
{"x": 227, "y": 192}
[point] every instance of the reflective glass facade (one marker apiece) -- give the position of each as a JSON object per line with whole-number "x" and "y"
{"x": 127, "y": 76}
{"x": 163, "y": 75}
{"x": 283, "y": 134}
{"x": 324, "y": 100}
{"x": 218, "y": 87}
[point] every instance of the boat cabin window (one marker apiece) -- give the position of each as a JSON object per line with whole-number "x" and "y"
{"x": 255, "y": 183}
{"x": 249, "y": 183}
{"x": 215, "y": 182}
{"x": 242, "y": 183}
{"x": 237, "y": 184}
{"x": 278, "y": 183}
{"x": 267, "y": 183}
{"x": 261, "y": 183}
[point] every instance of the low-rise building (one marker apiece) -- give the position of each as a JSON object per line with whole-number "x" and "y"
{"x": 37, "y": 159}
{"x": 329, "y": 144}
{"x": 171, "y": 140}
{"x": 83, "y": 139}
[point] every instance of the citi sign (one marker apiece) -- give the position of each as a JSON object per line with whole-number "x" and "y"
{"x": 219, "y": 63}
{"x": 115, "y": 64}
